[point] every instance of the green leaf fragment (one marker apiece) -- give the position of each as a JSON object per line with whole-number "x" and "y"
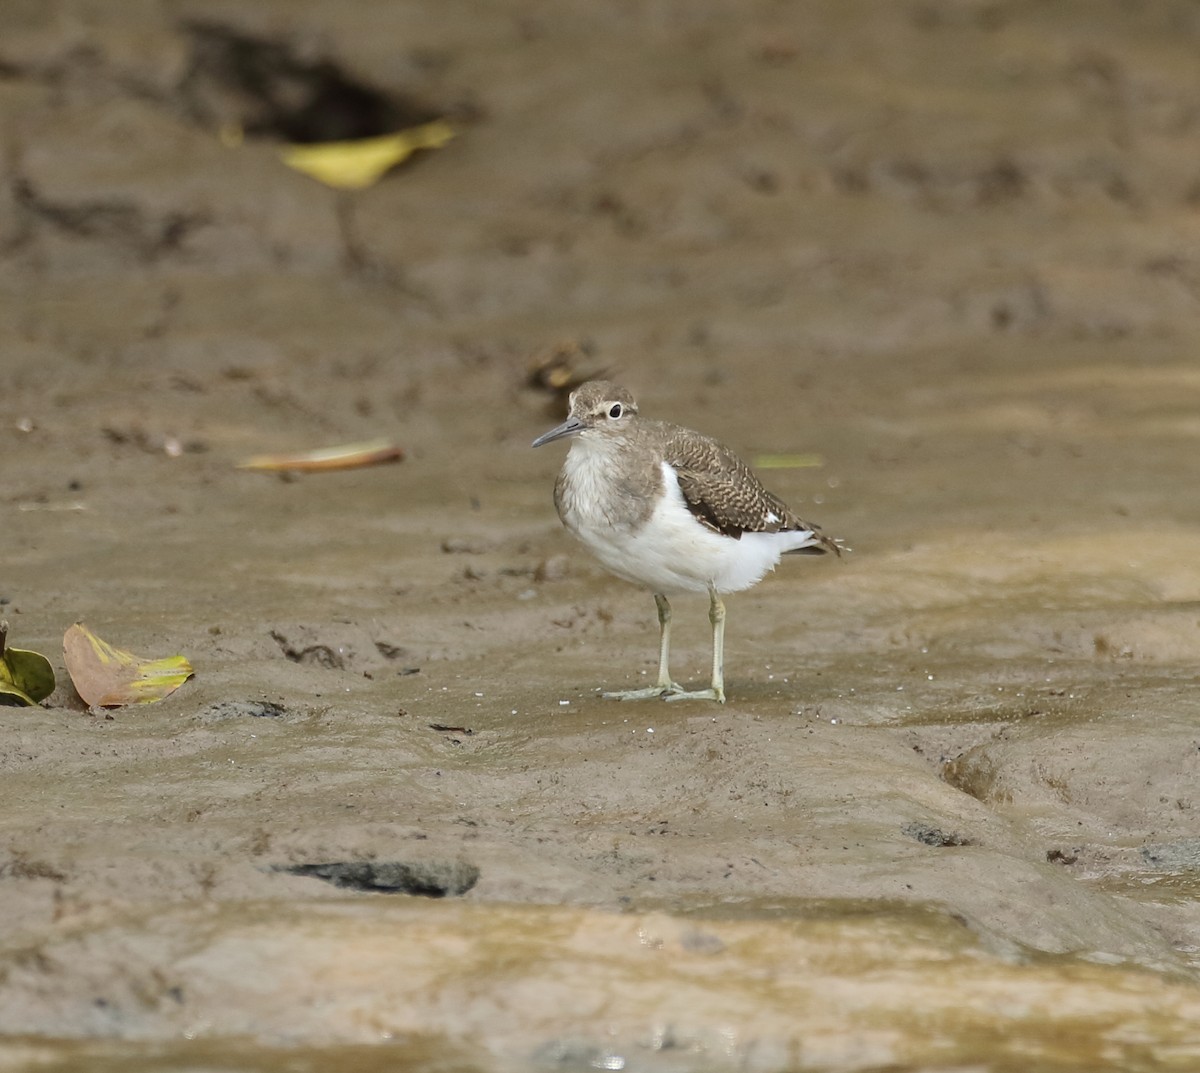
{"x": 800, "y": 461}
{"x": 25, "y": 677}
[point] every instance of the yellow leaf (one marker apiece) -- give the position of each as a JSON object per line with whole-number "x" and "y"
{"x": 358, "y": 164}
{"x": 109, "y": 677}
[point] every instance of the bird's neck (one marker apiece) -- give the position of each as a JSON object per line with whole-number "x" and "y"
{"x": 609, "y": 479}
{"x": 594, "y": 461}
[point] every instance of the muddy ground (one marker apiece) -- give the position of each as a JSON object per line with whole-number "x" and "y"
{"x": 948, "y": 818}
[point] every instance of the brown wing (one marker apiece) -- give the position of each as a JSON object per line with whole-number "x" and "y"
{"x": 723, "y": 492}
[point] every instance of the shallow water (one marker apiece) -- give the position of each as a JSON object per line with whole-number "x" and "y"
{"x": 827, "y": 985}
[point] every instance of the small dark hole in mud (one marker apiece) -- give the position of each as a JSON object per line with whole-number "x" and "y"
{"x": 321, "y": 655}
{"x": 934, "y": 836}
{"x": 429, "y": 879}
{"x": 270, "y": 91}
{"x": 244, "y": 709}
{"x": 266, "y": 709}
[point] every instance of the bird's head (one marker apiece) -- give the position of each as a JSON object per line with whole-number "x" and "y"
{"x": 598, "y": 407}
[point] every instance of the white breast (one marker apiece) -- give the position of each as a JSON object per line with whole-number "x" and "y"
{"x": 669, "y": 551}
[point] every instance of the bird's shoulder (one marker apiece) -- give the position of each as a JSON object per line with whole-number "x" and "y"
{"x": 719, "y": 487}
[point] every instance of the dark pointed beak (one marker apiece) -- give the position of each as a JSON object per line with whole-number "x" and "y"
{"x": 569, "y": 427}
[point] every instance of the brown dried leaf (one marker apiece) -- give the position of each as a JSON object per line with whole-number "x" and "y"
{"x": 109, "y": 677}
{"x": 346, "y": 456}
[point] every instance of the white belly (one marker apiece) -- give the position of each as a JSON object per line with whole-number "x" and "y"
{"x": 671, "y": 551}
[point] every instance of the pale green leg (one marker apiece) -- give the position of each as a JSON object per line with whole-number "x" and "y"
{"x": 716, "y": 615}
{"x": 664, "y": 686}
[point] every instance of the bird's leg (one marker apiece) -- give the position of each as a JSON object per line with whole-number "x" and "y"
{"x": 664, "y": 644}
{"x": 716, "y": 616}
{"x": 664, "y": 686}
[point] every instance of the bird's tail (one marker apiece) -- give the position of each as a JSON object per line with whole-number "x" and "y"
{"x": 817, "y": 544}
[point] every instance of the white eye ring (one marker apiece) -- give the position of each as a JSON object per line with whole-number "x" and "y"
{"x": 615, "y": 411}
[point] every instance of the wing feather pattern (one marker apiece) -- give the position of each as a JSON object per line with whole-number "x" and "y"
{"x": 725, "y": 494}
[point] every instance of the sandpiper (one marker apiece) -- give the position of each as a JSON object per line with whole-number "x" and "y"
{"x": 673, "y": 511}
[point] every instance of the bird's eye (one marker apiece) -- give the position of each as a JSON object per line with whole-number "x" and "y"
{"x": 615, "y": 411}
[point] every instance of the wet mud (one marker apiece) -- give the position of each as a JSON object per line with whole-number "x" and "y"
{"x": 943, "y": 254}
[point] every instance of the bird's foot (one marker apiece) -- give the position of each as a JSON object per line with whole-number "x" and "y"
{"x": 715, "y": 693}
{"x": 662, "y": 689}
